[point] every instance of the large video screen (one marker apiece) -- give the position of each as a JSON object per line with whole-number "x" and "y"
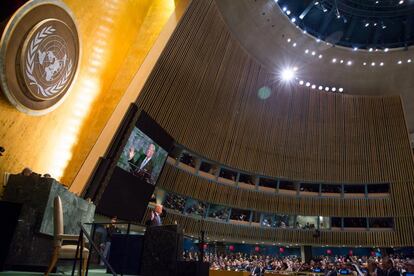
{"x": 142, "y": 157}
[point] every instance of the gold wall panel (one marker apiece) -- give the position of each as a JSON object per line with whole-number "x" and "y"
{"x": 116, "y": 36}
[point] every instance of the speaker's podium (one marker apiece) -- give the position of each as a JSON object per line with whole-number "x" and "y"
{"x": 163, "y": 250}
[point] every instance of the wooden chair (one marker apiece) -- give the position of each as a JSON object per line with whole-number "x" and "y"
{"x": 64, "y": 251}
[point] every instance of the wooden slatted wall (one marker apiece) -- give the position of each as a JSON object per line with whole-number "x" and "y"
{"x": 204, "y": 92}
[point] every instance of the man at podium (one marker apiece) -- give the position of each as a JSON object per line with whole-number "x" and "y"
{"x": 155, "y": 219}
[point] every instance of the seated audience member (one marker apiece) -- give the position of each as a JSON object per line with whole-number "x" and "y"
{"x": 409, "y": 267}
{"x": 373, "y": 269}
{"x": 388, "y": 268}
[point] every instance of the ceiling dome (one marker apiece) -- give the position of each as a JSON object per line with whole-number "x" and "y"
{"x": 362, "y": 24}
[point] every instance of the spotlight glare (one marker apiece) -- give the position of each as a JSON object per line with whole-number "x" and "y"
{"x": 307, "y": 84}
{"x": 301, "y": 82}
{"x": 386, "y": 50}
{"x": 320, "y": 87}
{"x": 409, "y": 61}
{"x": 349, "y": 63}
{"x": 313, "y": 86}
{"x": 320, "y": 56}
{"x": 372, "y": 63}
{"x": 382, "y": 64}
{"x": 333, "y": 89}
{"x": 288, "y": 74}
{"x": 341, "y": 90}
{"x": 294, "y": 44}
{"x": 399, "y": 62}
{"x": 327, "y": 88}
{"x": 334, "y": 60}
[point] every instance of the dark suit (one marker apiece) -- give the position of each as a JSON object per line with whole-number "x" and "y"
{"x": 135, "y": 166}
{"x": 390, "y": 272}
{"x": 155, "y": 220}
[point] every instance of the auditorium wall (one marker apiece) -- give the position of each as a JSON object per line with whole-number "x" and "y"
{"x": 216, "y": 100}
{"x": 116, "y": 37}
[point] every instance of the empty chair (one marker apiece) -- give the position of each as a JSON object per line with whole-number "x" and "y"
{"x": 60, "y": 250}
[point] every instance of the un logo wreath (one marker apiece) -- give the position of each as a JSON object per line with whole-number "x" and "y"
{"x": 30, "y": 62}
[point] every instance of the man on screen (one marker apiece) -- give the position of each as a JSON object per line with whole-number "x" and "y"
{"x": 141, "y": 164}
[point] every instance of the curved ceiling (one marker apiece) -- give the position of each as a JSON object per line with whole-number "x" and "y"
{"x": 362, "y": 24}
{"x": 268, "y": 35}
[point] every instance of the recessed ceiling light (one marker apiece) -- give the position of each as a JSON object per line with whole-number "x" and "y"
{"x": 287, "y": 74}
{"x": 334, "y": 60}
{"x": 307, "y": 84}
{"x": 341, "y": 90}
{"x": 355, "y": 48}
{"x": 372, "y": 63}
{"x": 366, "y": 25}
{"x": 318, "y": 40}
{"x": 382, "y": 64}
{"x": 320, "y": 56}
{"x": 294, "y": 44}
{"x": 313, "y": 53}
{"x": 320, "y": 87}
{"x": 288, "y": 12}
{"x": 399, "y": 62}
{"x": 386, "y": 50}
{"x": 333, "y": 89}
{"x": 313, "y": 86}
{"x": 409, "y": 61}
{"x": 364, "y": 63}
{"x": 284, "y": 9}
{"x": 293, "y": 19}
{"x": 349, "y": 63}
{"x": 371, "y": 49}
{"x": 401, "y": 2}
{"x": 306, "y": 51}
{"x": 327, "y": 88}
{"x": 301, "y": 82}
{"x": 289, "y": 40}
{"x": 342, "y": 61}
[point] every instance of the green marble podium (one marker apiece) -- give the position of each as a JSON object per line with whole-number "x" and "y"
{"x": 32, "y": 242}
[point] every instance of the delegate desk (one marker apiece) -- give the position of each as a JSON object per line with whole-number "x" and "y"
{"x": 228, "y": 273}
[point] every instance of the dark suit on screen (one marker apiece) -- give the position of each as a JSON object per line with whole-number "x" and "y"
{"x": 136, "y": 163}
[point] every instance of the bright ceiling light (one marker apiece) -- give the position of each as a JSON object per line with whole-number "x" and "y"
{"x": 372, "y": 63}
{"x": 382, "y": 64}
{"x": 327, "y": 88}
{"x": 301, "y": 82}
{"x": 320, "y": 87}
{"x": 409, "y": 61}
{"x": 341, "y": 90}
{"x": 287, "y": 74}
{"x": 334, "y": 60}
{"x": 333, "y": 89}
{"x": 349, "y": 63}
{"x": 294, "y": 44}
{"x": 320, "y": 56}
{"x": 399, "y": 62}
{"x": 307, "y": 84}
{"x": 313, "y": 86}
{"x": 386, "y": 50}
